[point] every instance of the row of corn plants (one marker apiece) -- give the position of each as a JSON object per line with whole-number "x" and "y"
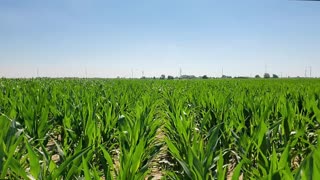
{"x": 67, "y": 129}
{"x": 214, "y": 129}
{"x": 252, "y": 129}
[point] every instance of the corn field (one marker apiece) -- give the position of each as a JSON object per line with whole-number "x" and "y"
{"x": 152, "y": 129}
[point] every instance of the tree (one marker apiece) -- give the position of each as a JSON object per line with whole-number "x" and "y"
{"x": 162, "y": 76}
{"x": 170, "y": 77}
{"x": 275, "y": 76}
{"x": 257, "y": 76}
{"x": 266, "y": 75}
{"x": 204, "y": 77}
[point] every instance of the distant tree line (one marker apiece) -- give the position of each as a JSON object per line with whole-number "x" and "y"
{"x": 267, "y": 75}
{"x": 170, "y": 77}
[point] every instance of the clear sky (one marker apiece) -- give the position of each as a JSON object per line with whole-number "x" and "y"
{"x": 115, "y": 38}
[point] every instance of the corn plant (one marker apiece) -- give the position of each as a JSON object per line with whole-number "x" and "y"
{"x": 213, "y": 129}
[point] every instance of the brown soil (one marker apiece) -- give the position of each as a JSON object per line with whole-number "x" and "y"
{"x": 159, "y": 162}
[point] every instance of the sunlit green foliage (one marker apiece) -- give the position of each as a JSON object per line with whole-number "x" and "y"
{"x": 213, "y": 129}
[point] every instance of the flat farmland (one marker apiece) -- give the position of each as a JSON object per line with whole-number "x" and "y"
{"x": 152, "y": 129}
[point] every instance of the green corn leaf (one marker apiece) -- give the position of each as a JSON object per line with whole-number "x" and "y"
{"x": 15, "y": 166}
{"x": 63, "y": 167}
{"x": 85, "y": 168}
{"x": 237, "y": 171}
{"x": 109, "y": 161}
{"x": 221, "y": 170}
{"x": 185, "y": 168}
{"x": 34, "y": 161}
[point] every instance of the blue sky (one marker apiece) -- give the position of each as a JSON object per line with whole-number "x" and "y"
{"x": 115, "y": 38}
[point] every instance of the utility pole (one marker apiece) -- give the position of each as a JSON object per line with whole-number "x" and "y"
{"x": 180, "y": 72}
{"x": 222, "y": 72}
{"x": 37, "y": 72}
{"x": 305, "y": 72}
{"x": 310, "y": 70}
{"x": 131, "y": 73}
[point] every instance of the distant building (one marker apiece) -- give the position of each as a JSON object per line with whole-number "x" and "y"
{"x": 187, "y": 77}
{"x": 225, "y": 76}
